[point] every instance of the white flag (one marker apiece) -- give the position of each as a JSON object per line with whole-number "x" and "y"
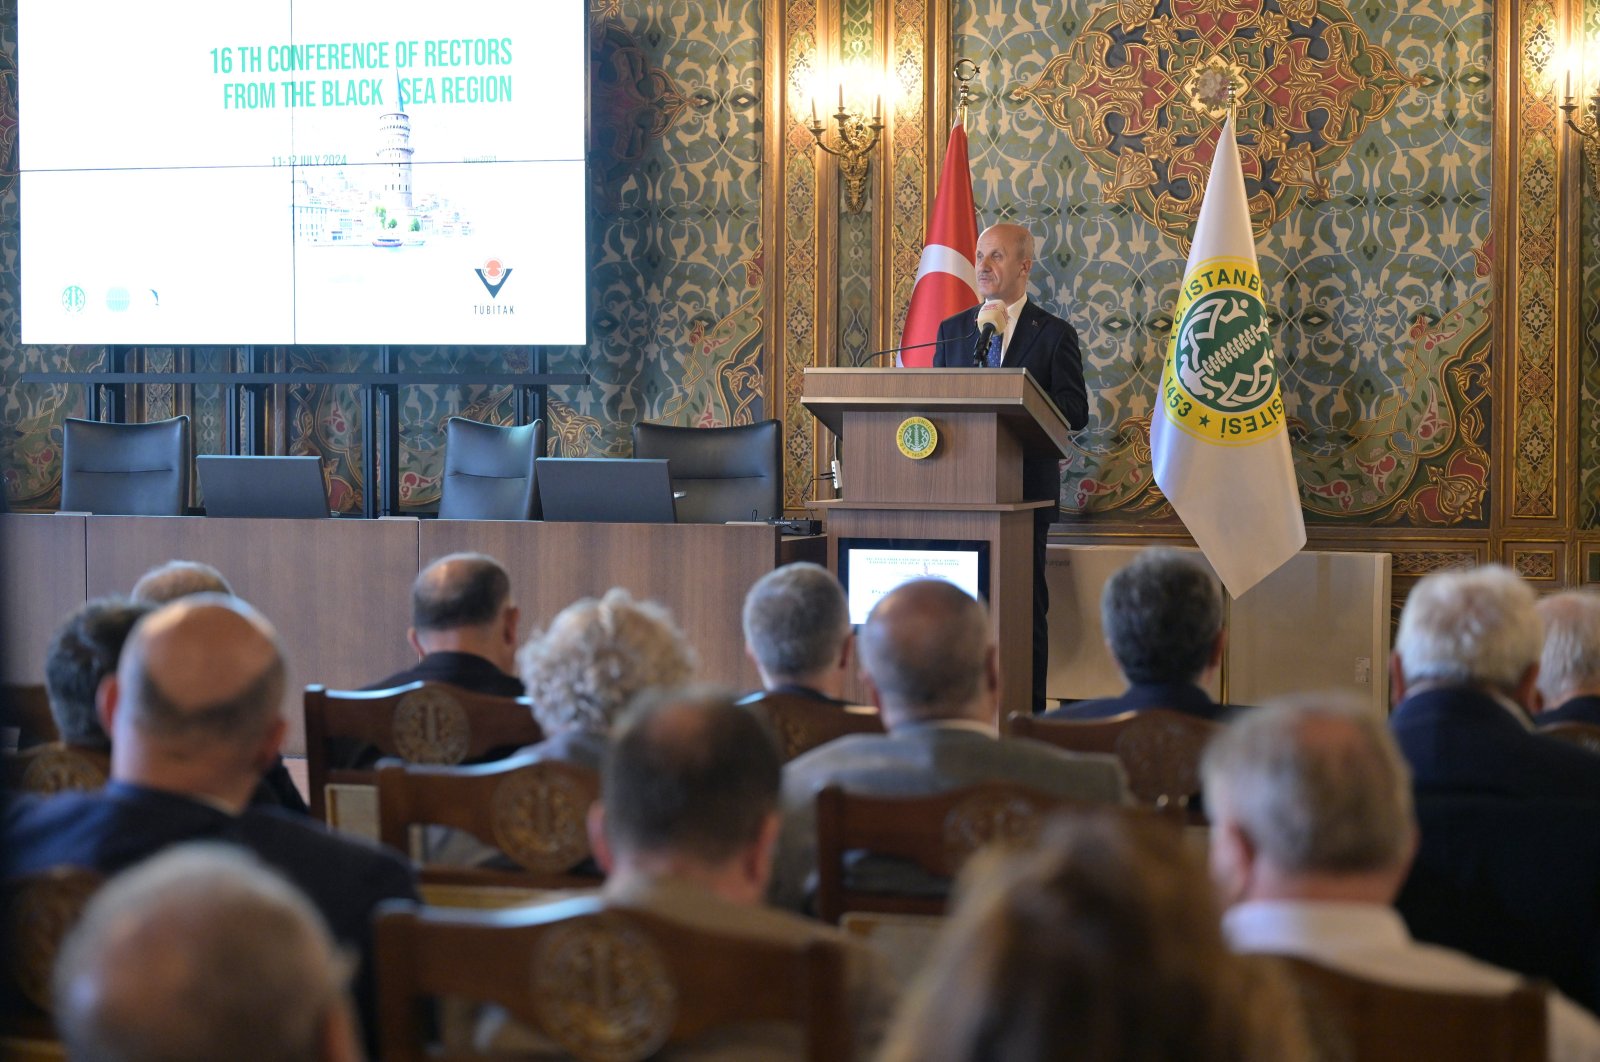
{"x": 1218, "y": 440}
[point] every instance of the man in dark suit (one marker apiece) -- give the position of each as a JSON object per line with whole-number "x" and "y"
{"x": 195, "y": 715}
{"x": 1026, "y": 337}
{"x": 1463, "y": 671}
{"x": 932, "y": 669}
{"x": 463, "y": 627}
{"x": 797, "y": 633}
{"x": 1162, "y": 619}
{"x": 1569, "y": 665}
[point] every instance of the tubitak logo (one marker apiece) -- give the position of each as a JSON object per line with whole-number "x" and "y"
{"x": 494, "y": 275}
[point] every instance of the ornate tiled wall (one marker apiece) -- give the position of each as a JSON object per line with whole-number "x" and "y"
{"x": 1589, "y": 322}
{"x": 1366, "y": 137}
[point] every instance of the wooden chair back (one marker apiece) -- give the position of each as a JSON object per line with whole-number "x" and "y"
{"x": 1160, "y": 749}
{"x": 57, "y": 768}
{"x": 937, "y": 834}
{"x": 1385, "y": 1023}
{"x": 1584, "y": 735}
{"x": 39, "y": 910}
{"x": 801, "y": 724}
{"x": 602, "y": 983}
{"x": 423, "y": 722}
{"x": 533, "y": 811}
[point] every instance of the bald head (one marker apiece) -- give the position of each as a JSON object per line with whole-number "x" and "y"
{"x": 927, "y": 651}
{"x": 179, "y": 578}
{"x": 206, "y": 665}
{"x": 459, "y": 590}
{"x": 1004, "y": 259}
{"x": 201, "y": 953}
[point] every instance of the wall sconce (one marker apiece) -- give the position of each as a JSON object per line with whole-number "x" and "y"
{"x": 1586, "y": 124}
{"x": 851, "y": 145}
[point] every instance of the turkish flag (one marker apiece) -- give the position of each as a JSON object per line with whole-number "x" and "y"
{"x": 947, "y": 280}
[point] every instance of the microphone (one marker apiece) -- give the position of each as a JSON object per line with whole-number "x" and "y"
{"x": 863, "y": 359}
{"x": 991, "y": 319}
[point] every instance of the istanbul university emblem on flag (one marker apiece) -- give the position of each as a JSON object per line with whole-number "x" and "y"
{"x": 1219, "y": 382}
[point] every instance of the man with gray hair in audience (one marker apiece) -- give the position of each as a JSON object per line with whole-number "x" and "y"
{"x": 1462, "y": 675}
{"x": 1312, "y": 834}
{"x": 179, "y": 578}
{"x": 1162, "y": 616}
{"x": 797, "y": 632}
{"x": 932, "y": 669}
{"x": 203, "y": 953}
{"x": 1569, "y": 665}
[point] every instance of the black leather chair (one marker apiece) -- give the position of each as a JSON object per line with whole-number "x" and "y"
{"x": 724, "y": 473}
{"x": 488, "y": 470}
{"x": 125, "y": 469}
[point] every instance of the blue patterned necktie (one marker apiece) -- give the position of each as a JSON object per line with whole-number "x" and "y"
{"x": 993, "y": 357}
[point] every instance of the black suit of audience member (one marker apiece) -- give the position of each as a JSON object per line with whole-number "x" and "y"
{"x": 122, "y": 824}
{"x": 1584, "y": 708}
{"x": 1512, "y": 882}
{"x": 1461, "y": 740}
{"x": 1184, "y": 697}
{"x": 790, "y": 689}
{"x": 467, "y": 671}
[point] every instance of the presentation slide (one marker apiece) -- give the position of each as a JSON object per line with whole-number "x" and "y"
{"x": 875, "y": 572}
{"x": 303, "y": 171}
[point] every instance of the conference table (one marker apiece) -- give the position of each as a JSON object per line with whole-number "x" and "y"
{"x": 338, "y": 590}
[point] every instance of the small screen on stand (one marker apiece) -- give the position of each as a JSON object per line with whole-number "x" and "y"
{"x": 870, "y": 568}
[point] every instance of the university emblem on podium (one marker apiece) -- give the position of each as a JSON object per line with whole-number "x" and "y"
{"x": 917, "y": 437}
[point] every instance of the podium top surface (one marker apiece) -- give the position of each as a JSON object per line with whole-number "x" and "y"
{"x": 1012, "y": 394}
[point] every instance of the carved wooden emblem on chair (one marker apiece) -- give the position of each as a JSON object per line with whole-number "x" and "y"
{"x": 60, "y": 770}
{"x": 41, "y": 909}
{"x": 1162, "y": 757}
{"x": 601, "y": 990}
{"x": 430, "y": 726}
{"x": 794, "y": 736}
{"x": 988, "y": 818}
{"x": 540, "y": 820}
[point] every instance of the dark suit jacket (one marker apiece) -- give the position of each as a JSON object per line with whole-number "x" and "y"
{"x": 1577, "y": 710}
{"x": 1511, "y": 882}
{"x": 1461, "y": 740}
{"x": 113, "y": 828}
{"x": 466, "y": 670}
{"x": 1047, "y": 347}
{"x": 1183, "y": 697}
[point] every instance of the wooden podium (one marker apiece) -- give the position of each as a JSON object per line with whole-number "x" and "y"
{"x": 969, "y": 488}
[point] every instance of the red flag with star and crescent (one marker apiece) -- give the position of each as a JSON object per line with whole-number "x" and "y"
{"x": 947, "y": 280}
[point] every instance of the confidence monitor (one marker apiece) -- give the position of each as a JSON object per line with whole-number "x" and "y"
{"x": 869, "y": 568}
{"x": 263, "y": 487}
{"x": 610, "y": 490}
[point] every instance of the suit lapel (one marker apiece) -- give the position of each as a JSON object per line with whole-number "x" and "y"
{"x": 1023, "y": 337}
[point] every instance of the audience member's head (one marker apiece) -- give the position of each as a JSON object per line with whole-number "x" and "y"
{"x": 797, "y": 628}
{"x": 1569, "y": 666}
{"x": 202, "y": 953}
{"x": 82, "y": 653}
{"x": 1469, "y": 628}
{"x": 690, "y": 790}
{"x": 927, "y": 654}
{"x": 1102, "y": 944}
{"x": 179, "y": 578}
{"x": 194, "y": 706}
{"x": 599, "y": 654}
{"x": 461, "y": 603}
{"x": 1162, "y": 617}
{"x": 1309, "y": 799}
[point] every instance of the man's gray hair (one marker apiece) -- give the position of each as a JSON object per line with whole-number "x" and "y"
{"x": 176, "y": 579}
{"x": 1161, "y": 615}
{"x": 1469, "y": 627}
{"x": 1571, "y": 657}
{"x": 201, "y": 953}
{"x": 1316, "y": 783}
{"x": 796, "y": 620}
{"x": 597, "y": 656}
